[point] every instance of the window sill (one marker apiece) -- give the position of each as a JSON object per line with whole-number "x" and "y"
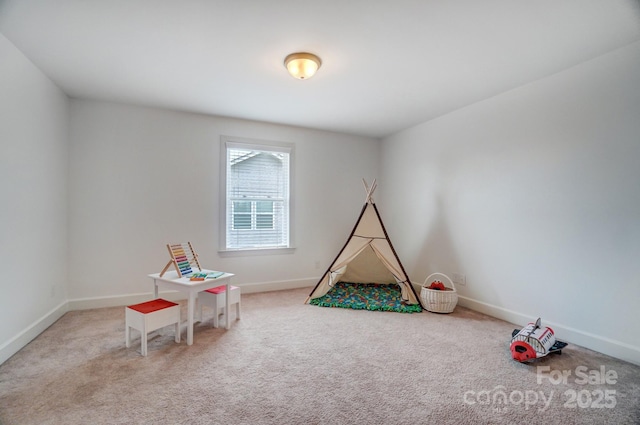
{"x": 255, "y": 251}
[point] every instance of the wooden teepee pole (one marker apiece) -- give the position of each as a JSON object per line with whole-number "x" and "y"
{"x": 369, "y": 190}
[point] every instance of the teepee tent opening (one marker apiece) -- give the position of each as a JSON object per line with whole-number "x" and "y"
{"x": 367, "y": 257}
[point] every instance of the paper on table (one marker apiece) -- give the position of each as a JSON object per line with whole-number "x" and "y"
{"x": 207, "y": 275}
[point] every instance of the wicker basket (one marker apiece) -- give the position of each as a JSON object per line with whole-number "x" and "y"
{"x": 438, "y": 301}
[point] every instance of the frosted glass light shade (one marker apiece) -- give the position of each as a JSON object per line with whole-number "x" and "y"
{"x": 302, "y": 65}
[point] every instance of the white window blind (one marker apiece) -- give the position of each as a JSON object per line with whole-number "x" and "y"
{"x": 257, "y": 196}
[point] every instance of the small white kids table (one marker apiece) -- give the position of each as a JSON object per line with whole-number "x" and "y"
{"x": 171, "y": 280}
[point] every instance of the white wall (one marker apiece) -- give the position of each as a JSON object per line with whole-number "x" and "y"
{"x": 33, "y": 200}
{"x": 535, "y": 196}
{"x": 532, "y": 194}
{"x": 141, "y": 178}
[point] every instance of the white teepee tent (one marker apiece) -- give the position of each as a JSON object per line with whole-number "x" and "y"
{"x": 367, "y": 256}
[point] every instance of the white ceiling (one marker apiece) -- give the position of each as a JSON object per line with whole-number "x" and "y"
{"x": 387, "y": 64}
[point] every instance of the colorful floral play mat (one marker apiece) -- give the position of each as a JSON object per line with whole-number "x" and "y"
{"x": 366, "y": 296}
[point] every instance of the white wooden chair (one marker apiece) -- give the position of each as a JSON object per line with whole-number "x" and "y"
{"x": 215, "y": 298}
{"x": 148, "y": 316}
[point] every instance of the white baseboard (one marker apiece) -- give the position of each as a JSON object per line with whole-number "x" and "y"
{"x": 122, "y": 300}
{"x": 604, "y": 345}
{"x": 594, "y": 342}
{"x": 248, "y": 288}
{"x": 16, "y": 343}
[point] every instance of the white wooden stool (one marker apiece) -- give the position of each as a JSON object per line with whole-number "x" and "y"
{"x": 149, "y": 316}
{"x": 215, "y": 298}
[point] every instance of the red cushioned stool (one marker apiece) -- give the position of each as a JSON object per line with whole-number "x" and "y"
{"x": 149, "y": 316}
{"x": 215, "y": 298}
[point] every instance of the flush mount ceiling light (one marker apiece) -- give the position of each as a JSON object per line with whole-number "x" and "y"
{"x": 302, "y": 65}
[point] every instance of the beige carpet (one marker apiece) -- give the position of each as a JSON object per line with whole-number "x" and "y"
{"x": 290, "y": 363}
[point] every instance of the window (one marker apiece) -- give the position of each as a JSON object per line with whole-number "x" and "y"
{"x": 252, "y": 215}
{"x": 256, "y": 190}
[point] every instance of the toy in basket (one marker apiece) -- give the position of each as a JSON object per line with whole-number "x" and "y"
{"x": 438, "y": 298}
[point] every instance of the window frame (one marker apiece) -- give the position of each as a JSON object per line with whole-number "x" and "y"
{"x": 230, "y": 142}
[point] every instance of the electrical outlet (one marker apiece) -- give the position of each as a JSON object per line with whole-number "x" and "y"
{"x": 459, "y": 279}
